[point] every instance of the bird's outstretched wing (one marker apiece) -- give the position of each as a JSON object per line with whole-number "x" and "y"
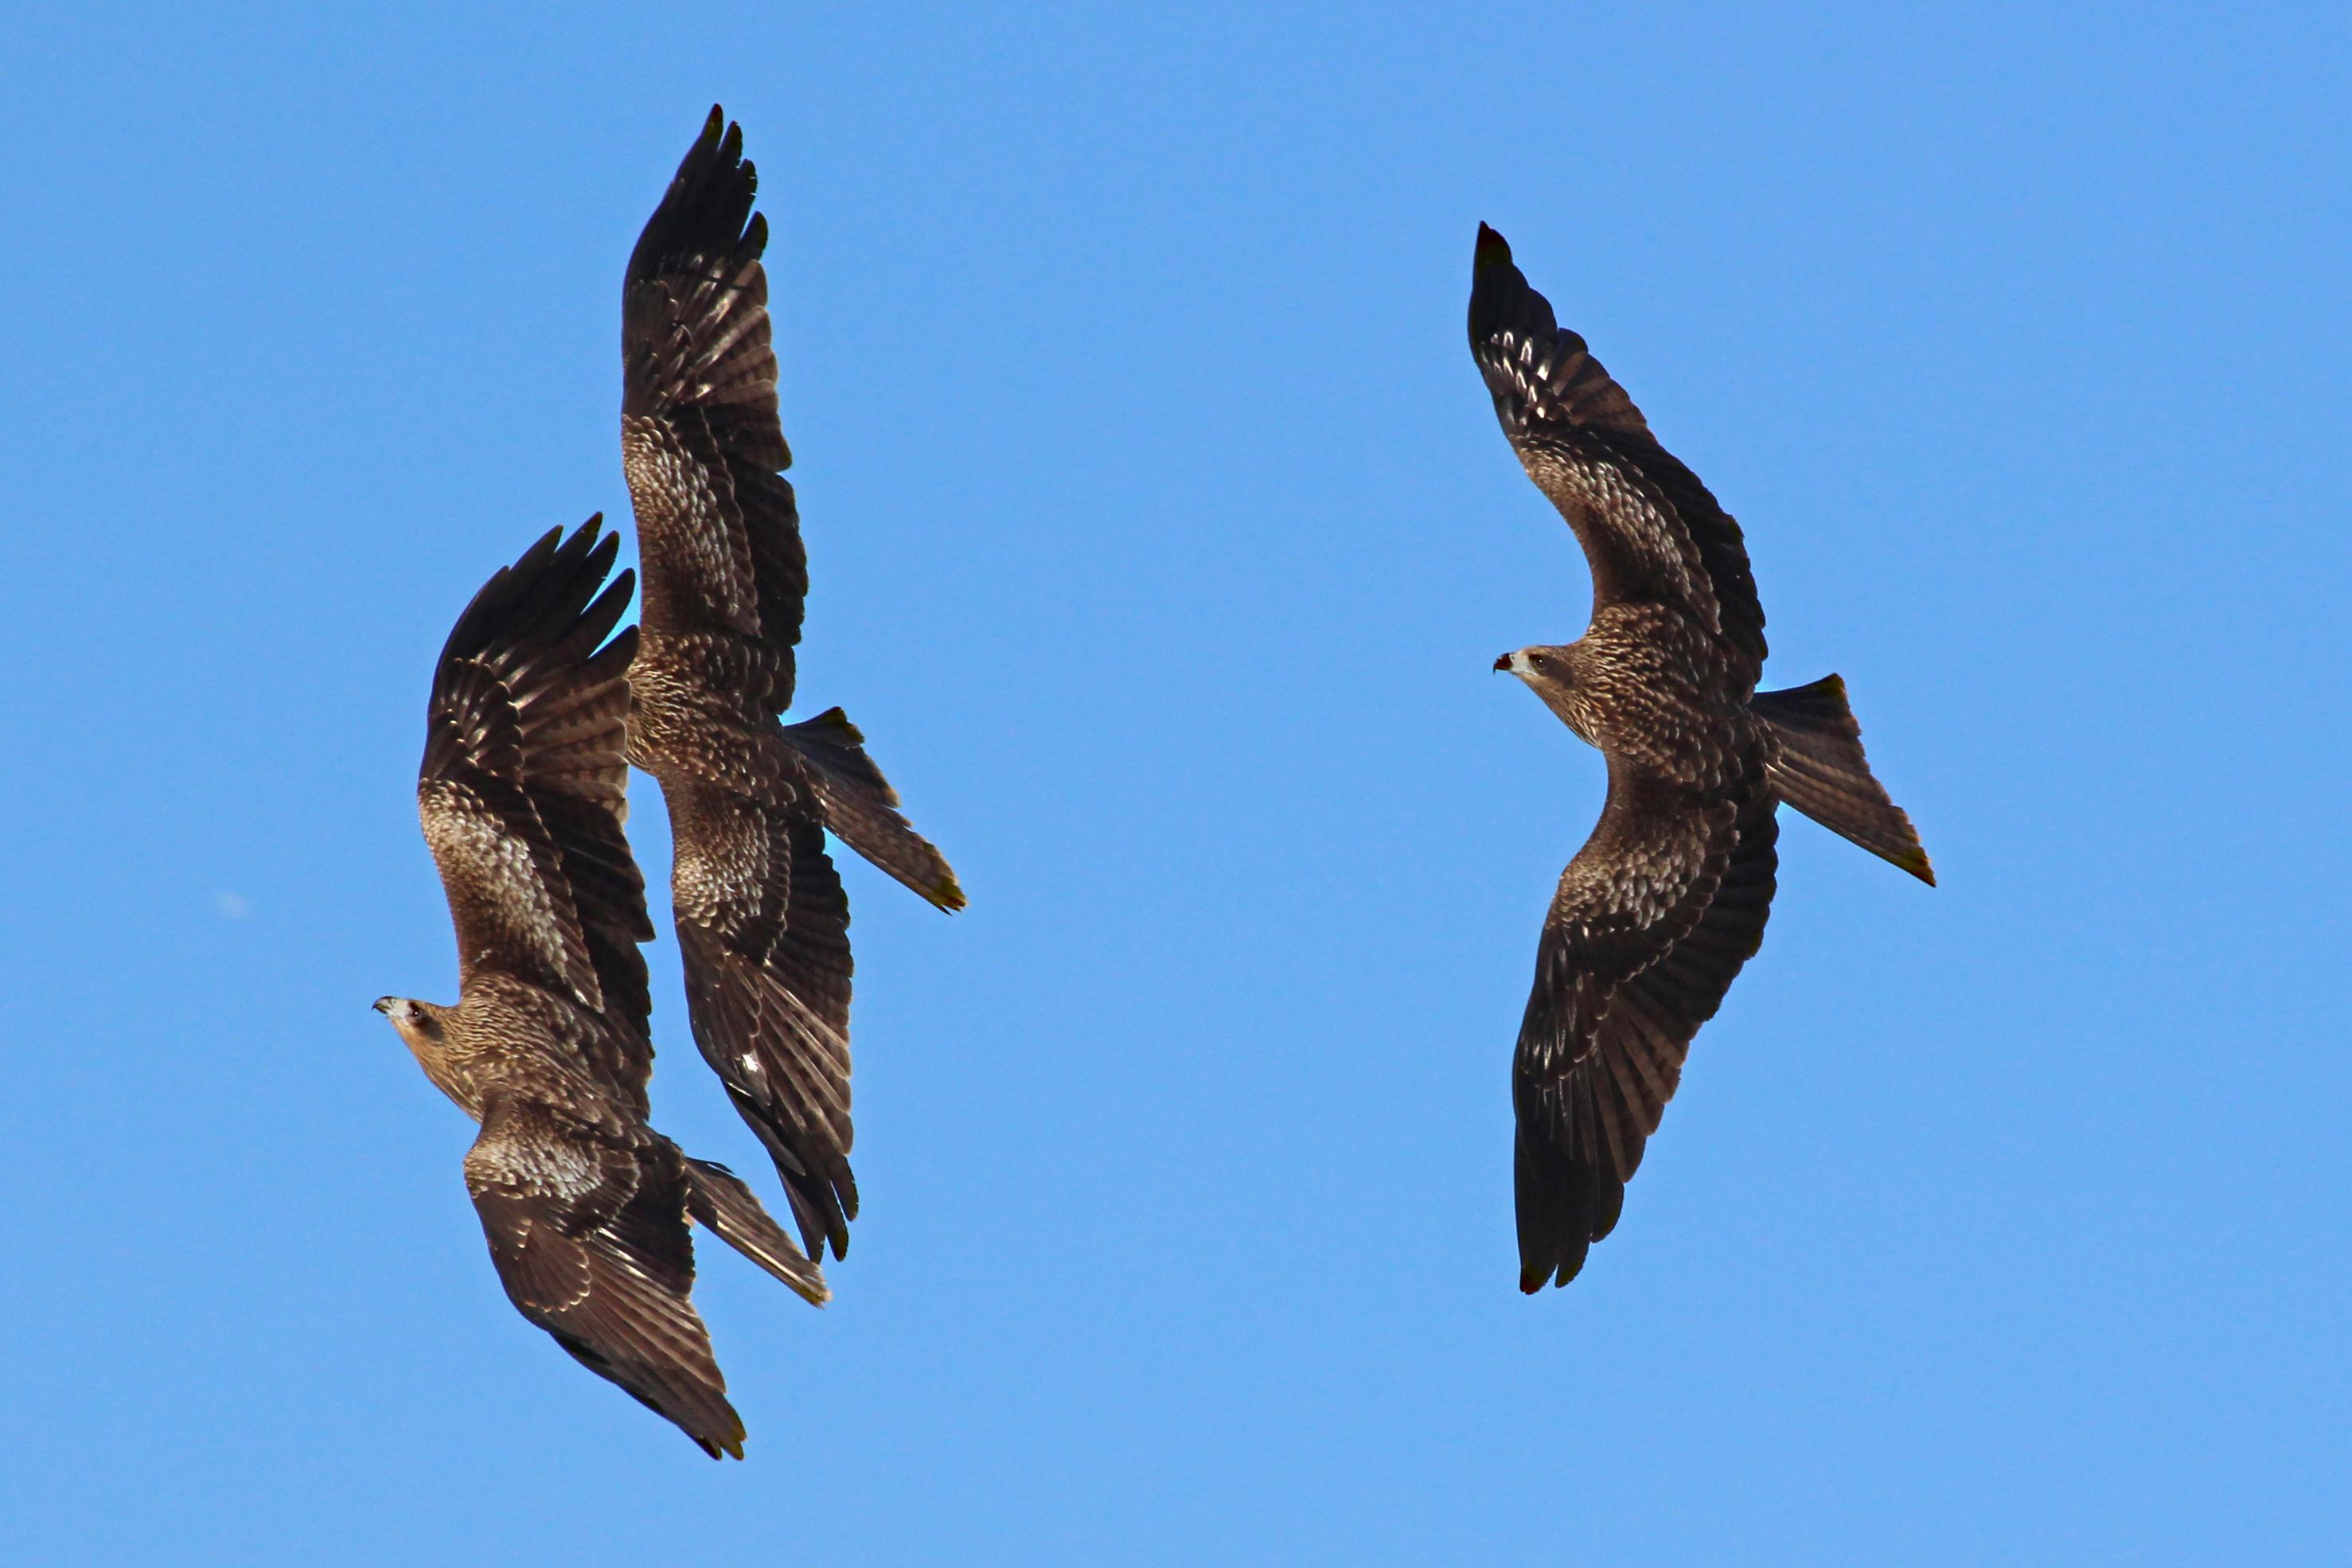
{"x": 719, "y": 532}
{"x": 1649, "y": 527}
{"x": 1652, "y": 920}
{"x": 522, "y": 791}
{"x": 588, "y": 1229}
{"x": 763, "y": 935}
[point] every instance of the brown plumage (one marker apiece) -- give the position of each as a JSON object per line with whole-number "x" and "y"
{"x": 1668, "y": 898}
{"x": 762, "y": 924}
{"x": 522, "y": 797}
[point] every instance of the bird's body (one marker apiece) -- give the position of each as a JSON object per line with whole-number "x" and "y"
{"x": 584, "y": 1206}
{"x": 1668, "y": 898}
{"x": 508, "y": 1037}
{"x": 762, "y": 922}
{"x": 1645, "y": 683}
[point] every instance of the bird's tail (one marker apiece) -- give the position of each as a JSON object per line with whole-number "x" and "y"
{"x": 718, "y": 1200}
{"x": 862, "y": 809}
{"x": 1818, "y": 767}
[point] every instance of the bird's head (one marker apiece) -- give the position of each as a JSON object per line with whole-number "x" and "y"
{"x": 1551, "y": 674}
{"x": 419, "y": 1023}
{"x": 1538, "y": 667}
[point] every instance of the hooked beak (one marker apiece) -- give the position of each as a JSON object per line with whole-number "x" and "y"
{"x": 1503, "y": 662}
{"x": 382, "y": 1004}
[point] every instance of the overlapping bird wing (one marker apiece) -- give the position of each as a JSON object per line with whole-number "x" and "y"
{"x": 1652, "y": 920}
{"x": 719, "y": 532}
{"x": 588, "y": 1229}
{"x": 764, "y": 935}
{"x": 1649, "y": 527}
{"x": 522, "y": 791}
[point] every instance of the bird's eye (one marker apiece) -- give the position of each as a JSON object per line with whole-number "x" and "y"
{"x": 1539, "y": 659}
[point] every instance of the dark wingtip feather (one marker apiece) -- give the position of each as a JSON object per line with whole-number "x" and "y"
{"x": 1492, "y": 249}
{"x": 497, "y": 603}
{"x": 611, "y": 605}
{"x": 703, "y": 212}
{"x": 1502, "y": 300}
{"x": 606, "y": 549}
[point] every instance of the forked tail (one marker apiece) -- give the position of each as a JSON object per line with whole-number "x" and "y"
{"x": 862, "y": 809}
{"x": 718, "y": 1199}
{"x": 1818, "y": 767}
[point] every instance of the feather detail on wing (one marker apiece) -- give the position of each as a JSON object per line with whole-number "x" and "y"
{"x": 719, "y": 532}
{"x": 523, "y": 788}
{"x": 1652, "y": 919}
{"x": 588, "y": 1230}
{"x": 764, "y": 935}
{"x": 1649, "y": 527}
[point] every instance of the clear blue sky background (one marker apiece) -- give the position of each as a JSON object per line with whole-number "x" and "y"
{"x": 1163, "y": 539}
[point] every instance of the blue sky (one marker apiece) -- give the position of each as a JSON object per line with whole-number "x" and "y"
{"x": 1163, "y": 539}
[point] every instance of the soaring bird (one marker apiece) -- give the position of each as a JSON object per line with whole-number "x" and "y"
{"x": 1668, "y": 898}
{"x": 762, "y": 923}
{"x": 522, "y": 796}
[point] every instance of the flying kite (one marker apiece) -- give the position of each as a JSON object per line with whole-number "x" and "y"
{"x": 1668, "y": 898}
{"x": 522, "y": 796}
{"x": 762, "y": 922}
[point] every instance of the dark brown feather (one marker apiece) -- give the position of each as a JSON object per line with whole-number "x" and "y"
{"x": 1669, "y": 897}
{"x": 584, "y": 1207}
{"x": 587, "y": 1228}
{"x": 1642, "y": 883}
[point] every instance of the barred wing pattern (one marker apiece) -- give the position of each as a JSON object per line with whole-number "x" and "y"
{"x": 719, "y": 527}
{"x": 1669, "y": 897}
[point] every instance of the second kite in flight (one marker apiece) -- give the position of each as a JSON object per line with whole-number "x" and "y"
{"x": 762, "y": 923}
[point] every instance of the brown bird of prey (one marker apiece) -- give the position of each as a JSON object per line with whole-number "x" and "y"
{"x": 1668, "y": 898}
{"x": 520, "y": 794}
{"x": 762, "y": 923}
